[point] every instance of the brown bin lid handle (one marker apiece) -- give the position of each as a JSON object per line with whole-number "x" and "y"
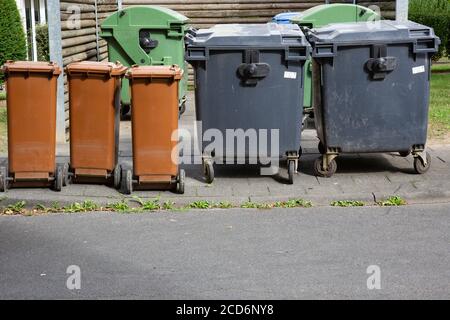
{"x": 55, "y": 70}
{"x": 174, "y": 76}
{"x": 109, "y": 70}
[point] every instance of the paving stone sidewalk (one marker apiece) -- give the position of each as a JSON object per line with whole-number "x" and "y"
{"x": 365, "y": 177}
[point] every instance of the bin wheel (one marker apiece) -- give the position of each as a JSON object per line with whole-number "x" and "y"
{"x": 59, "y": 178}
{"x": 127, "y": 181}
{"x": 180, "y": 182}
{"x": 320, "y": 172}
{"x": 420, "y": 167}
{"x": 124, "y": 111}
{"x": 209, "y": 171}
{"x": 404, "y": 154}
{"x": 117, "y": 175}
{"x": 291, "y": 171}
{"x": 3, "y": 179}
{"x": 182, "y": 108}
{"x": 321, "y": 148}
{"x": 66, "y": 177}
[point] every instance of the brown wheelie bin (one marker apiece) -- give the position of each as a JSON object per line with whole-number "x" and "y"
{"x": 31, "y": 103}
{"x": 154, "y": 118}
{"x": 94, "y": 106}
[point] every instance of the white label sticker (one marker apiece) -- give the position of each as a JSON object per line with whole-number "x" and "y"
{"x": 290, "y": 75}
{"x": 417, "y": 70}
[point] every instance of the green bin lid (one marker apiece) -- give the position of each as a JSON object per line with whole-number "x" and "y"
{"x": 333, "y": 13}
{"x": 149, "y": 17}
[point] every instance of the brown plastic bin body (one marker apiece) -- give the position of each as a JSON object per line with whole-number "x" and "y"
{"x": 154, "y": 116}
{"x": 31, "y": 102}
{"x": 94, "y": 105}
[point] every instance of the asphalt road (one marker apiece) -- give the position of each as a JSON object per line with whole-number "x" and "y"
{"x": 318, "y": 253}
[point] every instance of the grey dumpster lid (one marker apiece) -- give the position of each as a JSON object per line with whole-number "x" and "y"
{"x": 249, "y": 35}
{"x": 363, "y": 32}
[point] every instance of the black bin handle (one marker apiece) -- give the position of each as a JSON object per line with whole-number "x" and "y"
{"x": 251, "y": 73}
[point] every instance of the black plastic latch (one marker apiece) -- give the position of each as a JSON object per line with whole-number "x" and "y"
{"x": 192, "y": 31}
{"x": 146, "y": 42}
{"x": 379, "y": 65}
{"x": 251, "y": 71}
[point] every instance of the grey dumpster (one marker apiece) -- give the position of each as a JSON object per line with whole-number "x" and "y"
{"x": 247, "y": 77}
{"x": 372, "y": 90}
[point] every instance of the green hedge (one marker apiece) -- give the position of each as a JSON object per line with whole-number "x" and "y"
{"x": 435, "y": 14}
{"x": 12, "y": 37}
{"x": 43, "y": 52}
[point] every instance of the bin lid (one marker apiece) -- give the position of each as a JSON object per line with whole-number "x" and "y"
{"x": 285, "y": 17}
{"x": 151, "y": 72}
{"x": 148, "y": 17}
{"x": 324, "y": 14}
{"x": 270, "y": 35}
{"x": 31, "y": 67}
{"x": 93, "y": 67}
{"x": 385, "y": 31}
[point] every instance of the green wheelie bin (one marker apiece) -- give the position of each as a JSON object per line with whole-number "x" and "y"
{"x": 322, "y": 15}
{"x": 147, "y": 36}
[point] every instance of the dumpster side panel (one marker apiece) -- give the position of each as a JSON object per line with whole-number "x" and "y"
{"x": 169, "y": 52}
{"x": 224, "y": 102}
{"x": 164, "y": 27}
{"x": 31, "y": 122}
{"x": 116, "y": 53}
{"x": 318, "y": 92}
{"x": 154, "y": 119}
{"x": 365, "y": 115}
{"x": 308, "y": 87}
{"x": 93, "y": 121}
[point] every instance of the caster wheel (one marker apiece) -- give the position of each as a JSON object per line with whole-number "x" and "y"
{"x": 125, "y": 112}
{"x": 3, "y": 179}
{"x": 404, "y": 154}
{"x": 127, "y": 181}
{"x": 59, "y": 178}
{"x": 66, "y": 179}
{"x": 209, "y": 171}
{"x": 321, "y": 148}
{"x": 180, "y": 182}
{"x": 291, "y": 171}
{"x": 419, "y": 167}
{"x": 320, "y": 172}
{"x": 117, "y": 175}
{"x": 182, "y": 108}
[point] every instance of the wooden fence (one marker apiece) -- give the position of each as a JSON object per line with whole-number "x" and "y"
{"x": 79, "y": 36}
{"x": 204, "y": 13}
{"x": 81, "y": 42}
